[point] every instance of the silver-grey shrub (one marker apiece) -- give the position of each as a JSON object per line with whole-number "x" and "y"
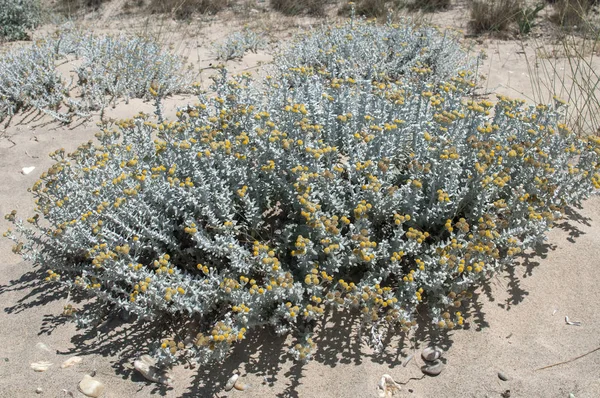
{"x": 17, "y": 17}
{"x": 366, "y": 49}
{"x": 107, "y": 68}
{"x": 273, "y": 206}
{"x": 237, "y": 44}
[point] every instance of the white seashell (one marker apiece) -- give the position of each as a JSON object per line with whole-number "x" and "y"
{"x": 240, "y": 385}
{"x": 27, "y": 170}
{"x": 145, "y": 365}
{"x": 387, "y": 387}
{"x": 39, "y": 390}
{"x": 43, "y": 347}
{"x": 231, "y": 382}
{"x": 41, "y": 366}
{"x": 431, "y": 353}
{"x": 91, "y": 387}
{"x": 71, "y": 361}
{"x": 434, "y": 368}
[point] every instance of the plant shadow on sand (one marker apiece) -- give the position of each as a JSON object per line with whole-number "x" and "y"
{"x": 263, "y": 353}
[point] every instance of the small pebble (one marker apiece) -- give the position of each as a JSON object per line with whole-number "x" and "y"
{"x": 91, "y": 387}
{"x": 431, "y": 353}
{"x": 39, "y": 390}
{"x": 433, "y": 369}
{"x": 502, "y": 376}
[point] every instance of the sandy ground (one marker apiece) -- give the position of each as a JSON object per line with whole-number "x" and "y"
{"x": 516, "y": 324}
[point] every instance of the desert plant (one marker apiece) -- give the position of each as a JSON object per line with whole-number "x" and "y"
{"x": 493, "y": 15}
{"x": 273, "y": 204}
{"x": 238, "y": 43}
{"x": 526, "y": 18}
{"x": 29, "y": 80}
{"x": 17, "y": 17}
{"x": 109, "y": 67}
{"x": 361, "y": 48}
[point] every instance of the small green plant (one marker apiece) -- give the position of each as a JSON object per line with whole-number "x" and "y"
{"x": 526, "y": 18}
{"x": 17, "y": 17}
{"x": 493, "y": 15}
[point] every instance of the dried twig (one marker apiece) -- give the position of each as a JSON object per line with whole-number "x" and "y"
{"x": 570, "y": 360}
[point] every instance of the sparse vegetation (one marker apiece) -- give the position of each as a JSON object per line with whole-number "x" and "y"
{"x": 526, "y": 18}
{"x": 493, "y": 15}
{"x": 184, "y": 9}
{"x": 430, "y": 5}
{"x": 572, "y": 13}
{"x": 295, "y": 7}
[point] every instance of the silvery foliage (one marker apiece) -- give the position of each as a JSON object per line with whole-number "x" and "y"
{"x": 106, "y": 68}
{"x": 28, "y": 79}
{"x": 274, "y": 205}
{"x": 237, "y": 44}
{"x": 18, "y": 16}
{"x": 362, "y": 48}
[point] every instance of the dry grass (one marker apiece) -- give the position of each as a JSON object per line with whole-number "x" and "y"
{"x": 298, "y": 7}
{"x": 572, "y": 13}
{"x": 570, "y": 70}
{"x": 72, "y": 7}
{"x": 493, "y": 15}
{"x": 430, "y": 5}
{"x": 183, "y": 9}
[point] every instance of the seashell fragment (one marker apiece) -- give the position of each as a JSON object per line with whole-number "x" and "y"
{"x": 91, "y": 387}
{"x": 41, "y": 366}
{"x": 431, "y": 353}
{"x": 71, "y": 361}
{"x": 434, "y": 368}
{"x": 387, "y": 387}
{"x": 240, "y": 385}
{"x": 39, "y": 390}
{"x": 502, "y": 376}
{"x": 43, "y": 347}
{"x": 231, "y": 382}
{"x": 27, "y": 170}
{"x": 146, "y": 366}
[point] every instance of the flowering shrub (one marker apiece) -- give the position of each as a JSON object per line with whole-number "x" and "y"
{"x": 18, "y": 16}
{"x": 273, "y": 206}
{"x": 362, "y": 48}
{"x": 110, "y": 67}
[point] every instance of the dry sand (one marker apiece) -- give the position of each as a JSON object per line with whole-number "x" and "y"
{"x": 516, "y": 324}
